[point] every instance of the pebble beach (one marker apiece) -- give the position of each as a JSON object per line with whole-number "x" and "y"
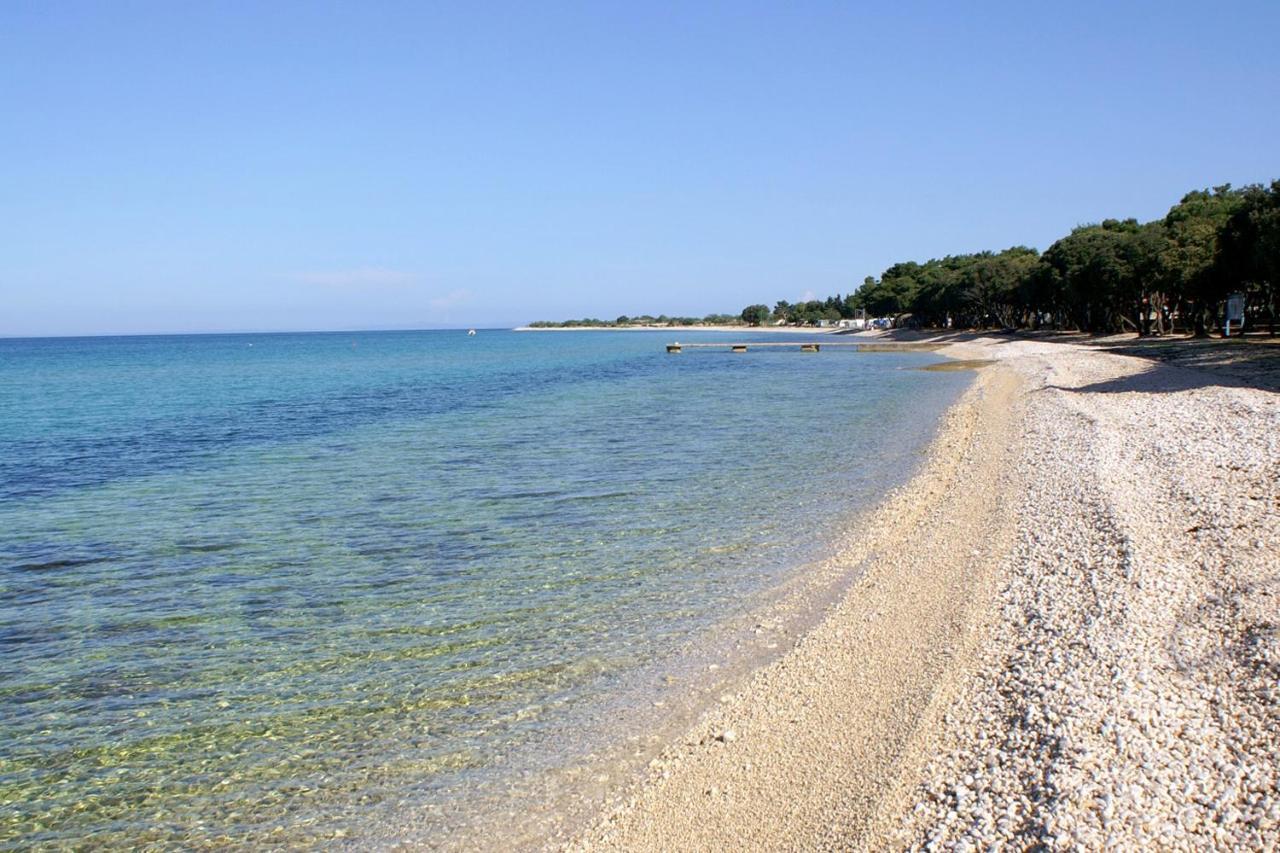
{"x": 1064, "y": 635}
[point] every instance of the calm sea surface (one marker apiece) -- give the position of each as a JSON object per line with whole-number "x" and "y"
{"x": 252, "y": 587}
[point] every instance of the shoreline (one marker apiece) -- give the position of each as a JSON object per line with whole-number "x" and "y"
{"x": 750, "y": 330}
{"x": 771, "y": 766}
{"x": 658, "y": 703}
{"x": 921, "y": 710}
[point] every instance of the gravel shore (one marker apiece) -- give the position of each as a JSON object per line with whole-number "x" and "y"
{"x": 1129, "y": 694}
{"x": 1065, "y": 637}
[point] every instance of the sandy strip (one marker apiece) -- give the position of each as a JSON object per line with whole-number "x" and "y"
{"x": 800, "y": 755}
{"x": 1066, "y": 635}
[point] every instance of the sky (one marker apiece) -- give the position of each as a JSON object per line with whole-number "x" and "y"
{"x": 184, "y": 167}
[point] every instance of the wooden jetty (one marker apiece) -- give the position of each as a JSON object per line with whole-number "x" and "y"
{"x": 812, "y": 346}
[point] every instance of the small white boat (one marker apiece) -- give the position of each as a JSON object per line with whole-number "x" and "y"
{"x": 471, "y": 331}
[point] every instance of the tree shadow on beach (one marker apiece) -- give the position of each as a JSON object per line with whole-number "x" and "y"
{"x": 941, "y": 336}
{"x": 1183, "y": 364}
{"x": 1155, "y": 379}
{"x": 1175, "y": 371}
{"x": 1178, "y": 363}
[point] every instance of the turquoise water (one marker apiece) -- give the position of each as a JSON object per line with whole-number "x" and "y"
{"x": 252, "y": 586}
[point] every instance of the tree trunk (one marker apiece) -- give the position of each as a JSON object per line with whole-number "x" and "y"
{"x": 1198, "y": 313}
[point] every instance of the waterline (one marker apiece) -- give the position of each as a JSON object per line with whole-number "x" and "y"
{"x": 257, "y": 593}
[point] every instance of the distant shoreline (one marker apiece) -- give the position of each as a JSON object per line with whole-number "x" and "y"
{"x": 792, "y": 330}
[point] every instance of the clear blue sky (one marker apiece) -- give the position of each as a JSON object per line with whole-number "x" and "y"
{"x": 258, "y": 166}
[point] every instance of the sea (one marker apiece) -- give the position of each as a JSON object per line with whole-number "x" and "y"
{"x": 312, "y": 589}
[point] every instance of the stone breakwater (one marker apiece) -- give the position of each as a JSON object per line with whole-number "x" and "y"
{"x": 1128, "y": 696}
{"x": 1065, "y": 637}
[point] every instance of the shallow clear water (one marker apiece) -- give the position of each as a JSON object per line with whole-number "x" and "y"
{"x": 253, "y": 585}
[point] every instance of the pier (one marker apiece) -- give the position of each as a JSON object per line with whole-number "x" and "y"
{"x": 809, "y": 346}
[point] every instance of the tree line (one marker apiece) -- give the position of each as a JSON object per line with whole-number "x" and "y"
{"x": 1170, "y": 274}
{"x": 1153, "y": 277}
{"x": 640, "y": 320}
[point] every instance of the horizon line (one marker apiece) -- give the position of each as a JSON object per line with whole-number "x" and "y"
{"x": 7, "y": 337}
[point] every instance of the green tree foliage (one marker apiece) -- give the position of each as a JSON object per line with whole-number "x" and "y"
{"x": 814, "y": 311}
{"x": 1192, "y": 227}
{"x": 984, "y": 289}
{"x": 991, "y": 285}
{"x": 894, "y": 292}
{"x": 754, "y": 315}
{"x": 1107, "y": 277}
{"x": 1102, "y": 272}
{"x": 1249, "y": 251}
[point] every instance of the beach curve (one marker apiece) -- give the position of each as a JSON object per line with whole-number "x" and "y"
{"x": 796, "y": 757}
{"x": 1021, "y": 634}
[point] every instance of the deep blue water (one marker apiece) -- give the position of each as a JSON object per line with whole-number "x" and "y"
{"x": 261, "y": 581}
